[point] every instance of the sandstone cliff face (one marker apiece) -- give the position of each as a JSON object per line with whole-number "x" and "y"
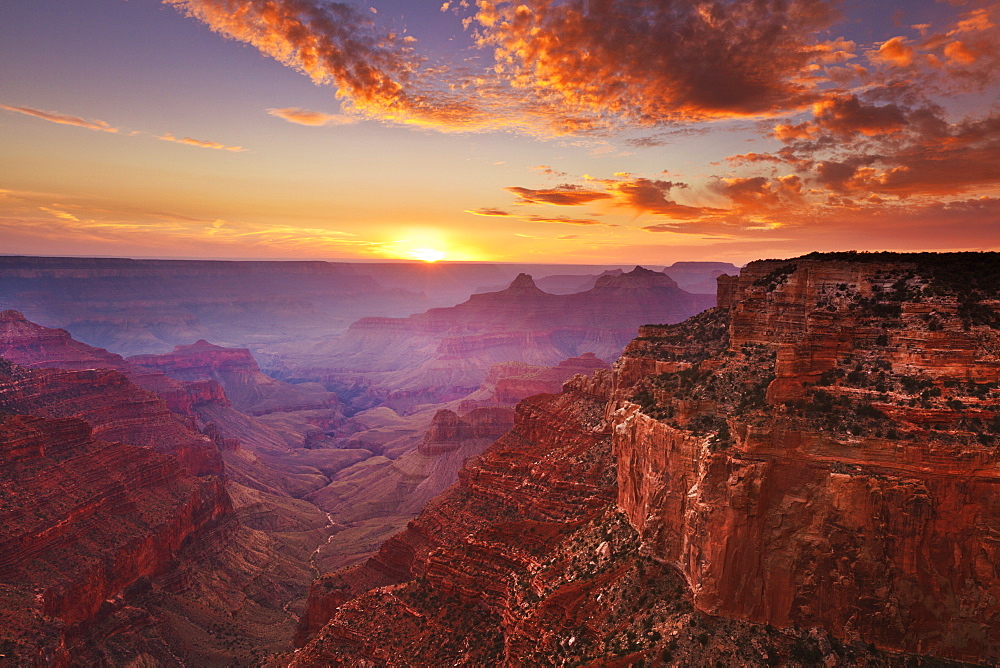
{"x": 509, "y": 383}
{"x": 117, "y": 410}
{"x": 448, "y": 429}
{"x": 126, "y": 540}
{"x": 84, "y": 518}
{"x": 34, "y": 346}
{"x": 833, "y": 463}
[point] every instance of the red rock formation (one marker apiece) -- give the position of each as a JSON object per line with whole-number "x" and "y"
{"x": 34, "y": 346}
{"x": 514, "y": 381}
{"x": 123, "y": 541}
{"x": 821, "y": 454}
{"x": 527, "y": 562}
{"x": 84, "y": 518}
{"x": 236, "y": 370}
{"x": 826, "y": 500}
{"x": 448, "y": 429}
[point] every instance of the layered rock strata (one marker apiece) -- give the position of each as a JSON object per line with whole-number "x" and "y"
{"x": 527, "y": 561}
{"x": 832, "y": 459}
{"x": 820, "y": 452}
{"x": 236, "y": 370}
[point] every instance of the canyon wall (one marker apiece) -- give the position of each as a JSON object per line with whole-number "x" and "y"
{"x": 820, "y": 452}
{"x": 834, "y": 462}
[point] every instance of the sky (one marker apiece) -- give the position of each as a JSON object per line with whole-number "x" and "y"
{"x": 562, "y": 131}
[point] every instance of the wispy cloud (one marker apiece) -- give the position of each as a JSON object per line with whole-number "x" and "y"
{"x": 200, "y": 143}
{"x": 31, "y": 219}
{"x": 102, "y": 126}
{"x": 309, "y": 117}
{"x": 62, "y": 119}
{"x": 489, "y": 211}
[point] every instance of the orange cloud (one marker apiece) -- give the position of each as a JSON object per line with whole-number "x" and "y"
{"x": 960, "y": 53}
{"x": 566, "y": 220}
{"x": 63, "y": 119}
{"x": 847, "y": 115}
{"x": 563, "y": 195}
{"x": 335, "y": 43}
{"x": 488, "y": 211}
{"x": 200, "y": 143}
{"x": 894, "y": 52}
{"x": 309, "y": 117}
{"x": 787, "y": 132}
{"x": 649, "y": 61}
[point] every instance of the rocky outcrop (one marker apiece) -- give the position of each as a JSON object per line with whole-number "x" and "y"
{"x": 83, "y": 519}
{"x": 31, "y": 345}
{"x": 448, "y": 429}
{"x": 236, "y": 370}
{"x": 528, "y": 562}
{"x": 117, "y": 410}
{"x": 127, "y": 540}
{"x": 515, "y": 381}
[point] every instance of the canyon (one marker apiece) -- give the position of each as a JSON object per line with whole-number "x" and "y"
{"x": 818, "y": 452}
{"x": 806, "y": 473}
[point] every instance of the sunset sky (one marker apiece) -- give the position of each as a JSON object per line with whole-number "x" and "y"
{"x": 582, "y": 131}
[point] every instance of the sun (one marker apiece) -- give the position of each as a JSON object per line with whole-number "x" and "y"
{"x": 426, "y": 254}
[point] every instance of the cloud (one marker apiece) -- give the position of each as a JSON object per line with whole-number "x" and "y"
{"x": 907, "y": 150}
{"x": 563, "y": 195}
{"x": 548, "y": 171}
{"x": 65, "y": 215}
{"x": 896, "y": 52}
{"x": 63, "y": 119}
{"x": 374, "y": 70}
{"x": 847, "y": 115}
{"x": 559, "y": 66}
{"x": 309, "y": 117}
{"x": 649, "y": 62}
{"x": 200, "y": 143}
{"x": 488, "y": 211}
{"x": 962, "y": 57}
{"x": 535, "y": 218}
{"x": 32, "y": 222}
{"x": 565, "y": 220}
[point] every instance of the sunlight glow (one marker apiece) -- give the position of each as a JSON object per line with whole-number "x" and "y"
{"x": 426, "y": 254}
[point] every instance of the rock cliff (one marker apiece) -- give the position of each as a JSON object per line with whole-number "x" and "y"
{"x": 830, "y": 460}
{"x": 127, "y": 540}
{"x": 819, "y": 453}
{"x": 101, "y": 486}
{"x": 236, "y": 370}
